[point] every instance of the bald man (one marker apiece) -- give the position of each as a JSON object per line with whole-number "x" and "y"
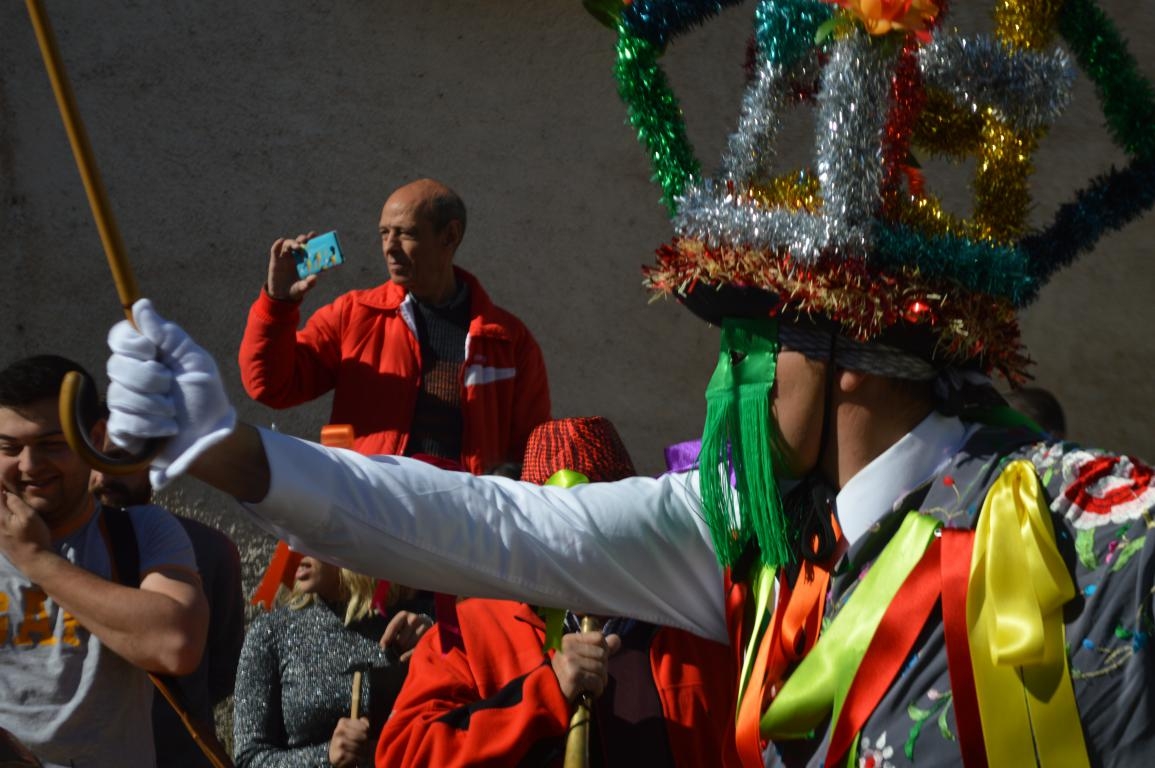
{"x": 424, "y": 363}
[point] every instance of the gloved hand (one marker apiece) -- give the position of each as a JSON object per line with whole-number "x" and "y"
{"x": 164, "y": 385}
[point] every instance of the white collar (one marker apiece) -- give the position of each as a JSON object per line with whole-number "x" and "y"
{"x": 917, "y": 457}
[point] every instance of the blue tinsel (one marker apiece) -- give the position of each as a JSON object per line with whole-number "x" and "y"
{"x": 657, "y": 21}
{"x": 785, "y": 29}
{"x": 1110, "y": 202}
{"x": 978, "y": 265}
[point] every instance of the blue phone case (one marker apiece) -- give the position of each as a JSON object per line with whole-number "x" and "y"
{"x": 321, "y": 253}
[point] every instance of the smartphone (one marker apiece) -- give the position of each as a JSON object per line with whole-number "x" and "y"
{"x": 321, "y": 253}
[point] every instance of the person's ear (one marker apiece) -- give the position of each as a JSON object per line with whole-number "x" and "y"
{"x": 452, "y": 234}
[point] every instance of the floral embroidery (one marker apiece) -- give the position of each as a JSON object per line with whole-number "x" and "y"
{"x": 1125, "y": 544}
{"x": 939, "y": 707}
{"x": 876, "y": 756}
{"x": 1124, "y": 643}
{"x": 1099, "y": 489}
{"x": 1045, "y": 457}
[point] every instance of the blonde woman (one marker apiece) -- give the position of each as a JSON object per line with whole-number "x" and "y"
{"x": 294, "y": 682}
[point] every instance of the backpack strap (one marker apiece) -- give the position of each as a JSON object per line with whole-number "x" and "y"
{"x": 123, "y": 548}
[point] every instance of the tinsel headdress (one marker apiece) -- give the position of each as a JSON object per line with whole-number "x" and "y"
{"x": 858, "y": 242}
{"x": 859, "y": 238}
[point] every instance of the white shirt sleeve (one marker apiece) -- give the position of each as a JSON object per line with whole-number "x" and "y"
{"x": 636, "y": 548}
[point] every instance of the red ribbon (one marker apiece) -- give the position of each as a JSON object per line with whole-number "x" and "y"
{"x": 888, "y": 650}
{"x": 958, "y": 547}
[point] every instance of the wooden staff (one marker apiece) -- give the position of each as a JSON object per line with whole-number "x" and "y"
{"x": 577, "y": 742}
{"x": 355, "y": 707}
{"x": 73, "y": 386}
{"x": 203, "y": 734}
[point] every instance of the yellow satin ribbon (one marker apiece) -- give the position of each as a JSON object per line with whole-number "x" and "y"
{"x": 1015, "y": 596}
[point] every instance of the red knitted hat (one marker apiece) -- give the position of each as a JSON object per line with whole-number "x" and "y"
{"x": 589, "y": 445}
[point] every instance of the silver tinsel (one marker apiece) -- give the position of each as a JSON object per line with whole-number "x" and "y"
{"x": 853, "y": 108}
{"x": 711, "y": 214}
{"x": 852, "y": 113}
{"x": 1029, "y": 89}
{"x": 750, "y": 151}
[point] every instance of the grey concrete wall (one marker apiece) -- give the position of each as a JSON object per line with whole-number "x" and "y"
{"x": 220, "y": 126}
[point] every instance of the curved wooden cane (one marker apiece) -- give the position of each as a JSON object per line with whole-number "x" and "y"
{"x": 72, "y": 421}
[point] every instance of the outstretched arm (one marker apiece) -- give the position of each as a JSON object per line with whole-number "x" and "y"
{"x": 634, "y": 548}
{"x": 637, "y": 547}
{"x": 236, "y": 465}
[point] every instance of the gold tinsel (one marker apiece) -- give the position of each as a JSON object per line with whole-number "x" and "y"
{"x": 1026, "y": 24}
{"x": 1002, "y": 188}
{"x": 795, "y": 192}
{"x": 946, "y": 128}
{"x": 926, "y": 214}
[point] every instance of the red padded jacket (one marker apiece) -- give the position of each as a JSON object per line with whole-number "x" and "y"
{"x": 498, "y": 702}
{"x": 363, "y": 347}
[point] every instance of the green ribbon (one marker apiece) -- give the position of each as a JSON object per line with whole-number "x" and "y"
{"x": 820, "y": 683}
{"x": 554, "y": 618}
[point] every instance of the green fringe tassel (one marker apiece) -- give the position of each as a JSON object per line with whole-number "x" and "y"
{"x": 740, "y": 437}
{"x": 718, "y": 507}
{"x": 757, "y": 486}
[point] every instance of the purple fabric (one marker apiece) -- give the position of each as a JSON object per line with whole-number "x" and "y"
{"x": 682, "y": 457}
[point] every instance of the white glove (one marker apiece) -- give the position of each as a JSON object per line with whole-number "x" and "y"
{"x": 164, "y": 385}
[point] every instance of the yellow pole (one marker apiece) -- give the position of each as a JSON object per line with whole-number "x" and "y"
{"x": 577, "y": 742}
{"x": 74, "y": 431}
{"x": 82, "y": 151}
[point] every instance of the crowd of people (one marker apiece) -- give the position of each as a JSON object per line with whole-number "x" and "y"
{"x": 317, "y": 679}
{"x": 869, "y": 559}
{"x": 106, "y": 595}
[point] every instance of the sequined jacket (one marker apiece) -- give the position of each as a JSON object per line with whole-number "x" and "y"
{"x": 295, "y": 682}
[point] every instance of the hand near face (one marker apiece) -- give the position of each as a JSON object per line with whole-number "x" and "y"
{"x": 582, "y": 664}
{"x": 403, "y": 632}
{"x": 23, "y": 533}
{"x": 283, "y": 283}
{"x": 349, "y": 745}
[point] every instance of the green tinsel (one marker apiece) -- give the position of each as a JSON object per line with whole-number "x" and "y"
{"x": 654, "y": 111}
{"x": 740, "y": 434}
{"x": 1126, "y": 96}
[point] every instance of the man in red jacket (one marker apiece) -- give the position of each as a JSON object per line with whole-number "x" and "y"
{"x": 493, "y": 696}
{"x": 424, "y": 363}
